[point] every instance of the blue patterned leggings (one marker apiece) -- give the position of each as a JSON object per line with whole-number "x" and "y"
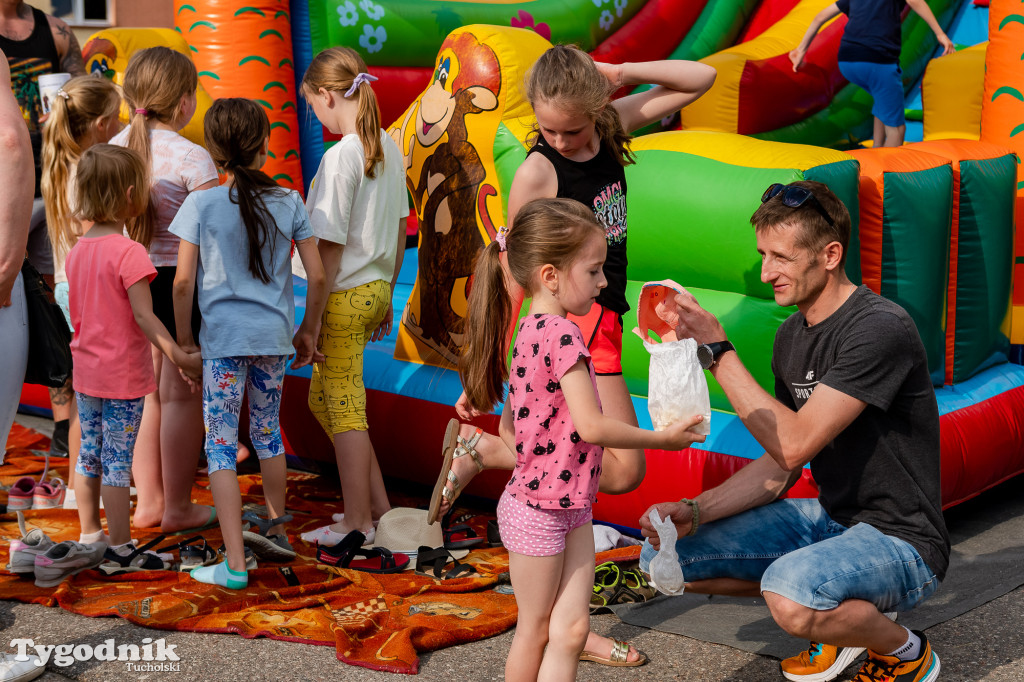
{"x": 224, "y": 380}
{"x": 109, "y": 430}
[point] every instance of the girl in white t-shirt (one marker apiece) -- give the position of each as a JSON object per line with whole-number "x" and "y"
{"x": 84, "y": 112}
{"x": 160, "y": 89}
{"x": 357, "y": 206}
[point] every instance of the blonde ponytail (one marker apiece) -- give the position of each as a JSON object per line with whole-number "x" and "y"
{"x": 335, "y": 70}
{"x": 155, "y": 82}
{"x": 79, "y": 104}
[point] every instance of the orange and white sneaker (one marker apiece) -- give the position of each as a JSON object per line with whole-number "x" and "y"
{"x": 821, "y": 662}
{"x": 879, "y": 668}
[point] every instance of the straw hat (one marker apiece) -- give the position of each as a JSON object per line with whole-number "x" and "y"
{"x": 404, "y": 530}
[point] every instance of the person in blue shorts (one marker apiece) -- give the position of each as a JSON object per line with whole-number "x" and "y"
{"x": 869, "y": 55}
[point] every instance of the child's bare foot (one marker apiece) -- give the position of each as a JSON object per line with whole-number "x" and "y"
{"x": 193, "y": 517}
{"x": 147, "y": 516}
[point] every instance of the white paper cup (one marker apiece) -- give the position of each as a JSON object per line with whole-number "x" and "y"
{"x": 49, "y": 85}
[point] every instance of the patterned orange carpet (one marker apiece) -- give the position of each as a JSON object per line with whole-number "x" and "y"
{"x": 376, "y": 621}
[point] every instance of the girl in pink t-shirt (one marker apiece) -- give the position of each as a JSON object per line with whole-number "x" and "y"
{"x": 112, "y": 313}
{"x": 552, "y": 419}
{"x": 160, "y": 90}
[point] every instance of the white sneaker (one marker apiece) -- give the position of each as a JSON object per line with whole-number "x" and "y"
{"x": 13, "y": 670}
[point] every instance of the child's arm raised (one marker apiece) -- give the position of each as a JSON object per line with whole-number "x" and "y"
{"x": 796, "y": 55}
{"x": 183, "y": 293}
{"x": 316, "y": 299}
{"x": 925, "y": 12}
{"x": 677, "y": 82}
{"x": 594, "y": 427}
{"x": 142, "y": 307}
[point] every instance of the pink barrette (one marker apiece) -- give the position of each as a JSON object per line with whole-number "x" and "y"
{"x": 359, "y": 80}
{"x": 502, "y": 238}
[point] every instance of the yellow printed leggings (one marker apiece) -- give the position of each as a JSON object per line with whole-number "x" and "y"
{"x": 337, "y": 396}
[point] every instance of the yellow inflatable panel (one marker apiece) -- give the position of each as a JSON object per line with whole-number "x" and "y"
{"x": 108, "y": 52}
{"x": 718, "y": 109}
{"x": 951, "y": 93}
{"x": 447, "y": 137}
{"x": 740, "y": 150}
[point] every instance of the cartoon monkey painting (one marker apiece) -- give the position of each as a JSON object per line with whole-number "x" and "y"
{"x": 466, "y": 81}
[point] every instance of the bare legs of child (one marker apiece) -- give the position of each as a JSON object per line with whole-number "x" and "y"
{"x": 622, "y": 470}
{"x": 553, "y": 596}
{"x": 146, "y": 472}
{"x": 362, "y": 489}
{"x": 228, "y": 498}
{"x": 888, "y": 136}
{"x": 165, "y": 463}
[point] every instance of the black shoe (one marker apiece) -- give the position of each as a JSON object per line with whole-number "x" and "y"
{"x": 59, "y": 439}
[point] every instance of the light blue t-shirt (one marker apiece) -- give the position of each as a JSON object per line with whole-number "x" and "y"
{"x": 241, "y": 314}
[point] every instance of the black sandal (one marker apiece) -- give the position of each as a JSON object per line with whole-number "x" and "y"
{"x": 431, "y": 562}
{"x": 267, "y": 547}
{"x": 193, "y": 552}
{"x": 494, "y": 534}
{"x": 457, "y": 533}
{"x": 374, "y": 559}
{"x": 140, "y": 559}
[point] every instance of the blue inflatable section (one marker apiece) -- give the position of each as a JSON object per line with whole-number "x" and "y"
{"x": 311, "y": 143}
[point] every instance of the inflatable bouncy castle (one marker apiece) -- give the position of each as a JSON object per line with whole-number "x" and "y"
{"x": 933, "y": 221}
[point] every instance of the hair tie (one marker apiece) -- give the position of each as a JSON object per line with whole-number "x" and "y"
{"x": 144, "y": 112}
{"x": 359, "y": 80}
{"x": 61, "y": 93}
{"x": 502, "y": 238}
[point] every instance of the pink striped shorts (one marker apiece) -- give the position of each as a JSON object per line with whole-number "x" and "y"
{"x": 537, "y": 532}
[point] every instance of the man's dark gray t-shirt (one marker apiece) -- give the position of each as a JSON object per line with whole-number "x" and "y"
{"x": 883, "y": 469}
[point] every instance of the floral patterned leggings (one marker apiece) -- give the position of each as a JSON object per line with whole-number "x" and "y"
{"x": 109, "y": 429}
{"x": 224, "y": 380}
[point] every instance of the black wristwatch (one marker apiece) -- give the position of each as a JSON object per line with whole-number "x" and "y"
{"x": 708, "y": 353}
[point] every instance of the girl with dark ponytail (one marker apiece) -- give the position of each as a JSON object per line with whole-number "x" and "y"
{"x": 235, "y": 242}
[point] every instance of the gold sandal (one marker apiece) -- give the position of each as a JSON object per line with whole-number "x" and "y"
{"x": 454, "y": 446}
{"x": 619, "y": 656}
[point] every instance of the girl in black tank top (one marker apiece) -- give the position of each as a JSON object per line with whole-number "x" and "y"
{"x": 599, "y": 184}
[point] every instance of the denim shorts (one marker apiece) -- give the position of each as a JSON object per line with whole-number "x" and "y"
{"x": 794, "y": 549}
{"x": 884, "y": 82}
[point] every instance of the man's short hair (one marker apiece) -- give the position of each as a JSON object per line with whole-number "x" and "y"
{"x": 815, "y": 231}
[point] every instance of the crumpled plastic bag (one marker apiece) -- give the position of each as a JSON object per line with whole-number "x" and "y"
{"x": 677, "y": 388}
{"x": 666, "y": 574}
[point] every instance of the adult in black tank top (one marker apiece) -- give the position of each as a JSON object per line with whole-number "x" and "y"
{"x": 578, "y": 122}
{"x": 35, "y": 44}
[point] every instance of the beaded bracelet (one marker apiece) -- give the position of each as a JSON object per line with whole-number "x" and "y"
{"x": 695, "y": 508}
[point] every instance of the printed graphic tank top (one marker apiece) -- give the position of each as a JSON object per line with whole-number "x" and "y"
{"x": 29, "y": 59}
{"x": 599, "y": 183}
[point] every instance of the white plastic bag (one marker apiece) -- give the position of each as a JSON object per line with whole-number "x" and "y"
{"x": 666, "y": 574}
{"x": 678, "y": 388}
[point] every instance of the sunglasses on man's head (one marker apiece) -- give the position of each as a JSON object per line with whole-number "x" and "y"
{"x": 795, "y": 196}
